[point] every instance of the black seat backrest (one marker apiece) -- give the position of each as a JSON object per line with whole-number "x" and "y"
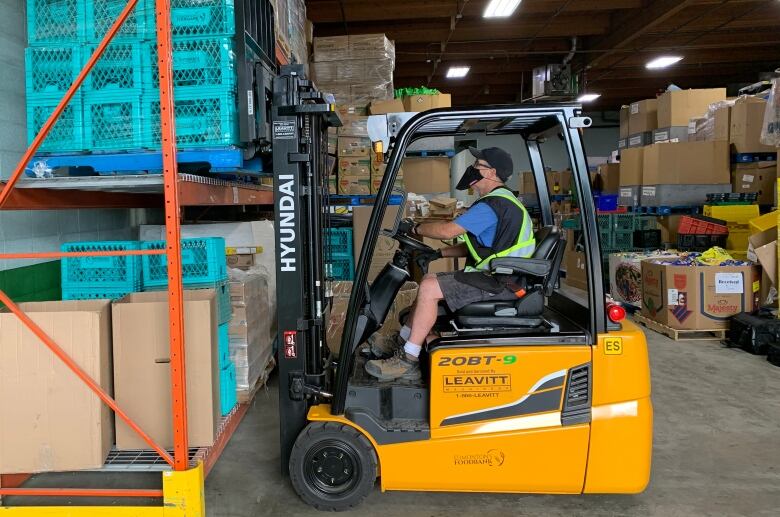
{"x": 546, "y": 239}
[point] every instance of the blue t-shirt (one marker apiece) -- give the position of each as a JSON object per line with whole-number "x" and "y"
{"x": 482, "y": 221}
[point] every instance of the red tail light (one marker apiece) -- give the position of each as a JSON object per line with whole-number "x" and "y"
{"x": 615, "y": 313}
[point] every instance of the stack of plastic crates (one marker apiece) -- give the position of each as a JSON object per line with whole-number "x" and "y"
{"x": 339, "y": 258}
{"x": 100, "y": 277}
{"x": 227, "y": 372}
{"x": 118, "y": 107}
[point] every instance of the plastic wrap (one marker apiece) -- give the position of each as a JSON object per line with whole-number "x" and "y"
{"x": 770, "y": 129}
{"x": 291, "y": 29}
{"x": 350, "y": 71}
{"x": 359, "y": 46}
{"x": 709, "y": 126}
{"x": 361, "y": 94}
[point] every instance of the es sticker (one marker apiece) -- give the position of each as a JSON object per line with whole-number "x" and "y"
{"x": 613, "y": 346}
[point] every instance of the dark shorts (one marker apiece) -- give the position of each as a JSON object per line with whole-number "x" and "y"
{"x": 458, "y": 294}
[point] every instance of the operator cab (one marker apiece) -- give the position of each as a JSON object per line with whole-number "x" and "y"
{"x": 544, "y": 307}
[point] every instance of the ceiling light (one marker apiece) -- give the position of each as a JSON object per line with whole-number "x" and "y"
{"x": 458, "y": 71}
{"x": 662, "y": 62}
{"x": 500, "y": 8}
{"x": 588, "y": 97}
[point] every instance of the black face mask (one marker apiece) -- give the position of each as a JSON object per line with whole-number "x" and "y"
{"x": 470, "y": 176}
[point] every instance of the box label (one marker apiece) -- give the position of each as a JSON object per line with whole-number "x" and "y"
{"x": 625, "y": 192}
{"x": 634, "y": 108}
{"x": 648, "y": 191}
{"x": 748, "y": 178}
{"x": 662, "y": 136}
{"x": 673, "y": 296}
{"x": 729, "y": 283}
{"x": 692, "y": 127}
{"x": 635, "y": 140}
{"x": 621, "y": 143}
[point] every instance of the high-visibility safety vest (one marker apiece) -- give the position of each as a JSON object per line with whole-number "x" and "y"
{"x": 508, "y": 241}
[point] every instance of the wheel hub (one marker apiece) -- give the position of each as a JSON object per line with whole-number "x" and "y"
{"x": 331, "y": 467}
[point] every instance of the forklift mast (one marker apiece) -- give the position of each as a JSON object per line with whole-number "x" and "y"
{"x": 300, "y": 118}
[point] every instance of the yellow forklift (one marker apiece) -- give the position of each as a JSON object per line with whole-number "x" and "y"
{"x": 546, "y": 394}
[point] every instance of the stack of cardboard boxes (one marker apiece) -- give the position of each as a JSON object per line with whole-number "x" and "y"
{"x": 678, "y": 148}
{"x": 356, "y": 69}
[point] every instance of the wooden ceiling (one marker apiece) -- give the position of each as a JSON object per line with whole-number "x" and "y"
{"x": 722, "y": 42}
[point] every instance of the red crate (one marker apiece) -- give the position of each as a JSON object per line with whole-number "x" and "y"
{"x": 702, "y": 226}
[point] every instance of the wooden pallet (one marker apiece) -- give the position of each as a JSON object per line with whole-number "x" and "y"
{"x": 677, "y": 335}
{"x": 248, "y": 395}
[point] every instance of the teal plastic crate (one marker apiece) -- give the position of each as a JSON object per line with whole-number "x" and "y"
{"x": 223, "y": 344}
{"x": 51, "y": 69}
{"x": 340, "y": 268}
{"x": 197, "y": 62}
{"x": 67, "y": 134}
{"x": 121, "y": 274}
{"x": 646, "y": 222}
{"x": 113, "y": 121}
{"x": 205, "y": 117}
{"x": 118, "y": 70}
{"x": 199, "y": 18}
{"x": 604, "y": 222}
{"x": 203, "y": 262}
{"x": 228, "y": 398}
{"x": 101, "y": 14}
{"x": 623, "y": 222}
{"x": 338, "y": 242}
{"x": 98, "y": 294}
{"x": 622, "y": 241}
{"x": 55, "y": 21}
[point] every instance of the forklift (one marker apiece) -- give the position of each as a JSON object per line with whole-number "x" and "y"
{"x": 546, "y": 394}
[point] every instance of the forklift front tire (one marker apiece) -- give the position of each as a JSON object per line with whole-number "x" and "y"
{"x": 332, "y": 466}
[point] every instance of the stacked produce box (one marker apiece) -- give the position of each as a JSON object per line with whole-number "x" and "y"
{"x": 118, "y": 107}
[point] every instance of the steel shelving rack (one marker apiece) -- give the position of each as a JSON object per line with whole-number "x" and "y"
{"x": 183, "y": 469}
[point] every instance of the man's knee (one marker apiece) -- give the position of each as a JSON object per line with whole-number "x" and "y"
{"x": 429, "y": 288}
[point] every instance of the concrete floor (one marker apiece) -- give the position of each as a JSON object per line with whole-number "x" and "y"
{"x": 717, "y": 452}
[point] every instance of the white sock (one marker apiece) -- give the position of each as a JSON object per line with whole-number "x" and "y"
{"x": 405, "y": 332}
{"x": 412, "y": 349}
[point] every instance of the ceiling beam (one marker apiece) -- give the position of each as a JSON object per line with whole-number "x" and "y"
{"x": 630, "y": 26}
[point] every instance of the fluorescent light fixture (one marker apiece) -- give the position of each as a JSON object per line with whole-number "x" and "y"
{"x": 662, "y": 62}
{"x": 500, "y": 8}
{"x": 588, "y": 97}
{"x": 458, "y": 71}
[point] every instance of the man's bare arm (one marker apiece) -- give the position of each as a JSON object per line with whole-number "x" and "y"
{"x": 440, "y": 230}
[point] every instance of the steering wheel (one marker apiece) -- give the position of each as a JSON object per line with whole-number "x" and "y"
{"x": 412, "y": 244}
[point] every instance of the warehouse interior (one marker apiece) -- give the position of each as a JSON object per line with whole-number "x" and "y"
{"x": 191, "y": 192}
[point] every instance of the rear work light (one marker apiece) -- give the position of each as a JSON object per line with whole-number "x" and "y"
{"x": 616, "y": 313}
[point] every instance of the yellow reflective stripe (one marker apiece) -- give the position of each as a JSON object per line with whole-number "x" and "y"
{"x": 526, "y": 243}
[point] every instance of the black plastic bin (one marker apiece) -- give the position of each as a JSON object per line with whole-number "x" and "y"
{"x": 699, "y": 241}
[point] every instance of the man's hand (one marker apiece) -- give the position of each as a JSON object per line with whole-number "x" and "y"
{"x": 424, "y": 258}
{"x": 406, "y": 226}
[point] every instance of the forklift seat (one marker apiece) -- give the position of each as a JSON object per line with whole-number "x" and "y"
{"x": 538, "y": 273}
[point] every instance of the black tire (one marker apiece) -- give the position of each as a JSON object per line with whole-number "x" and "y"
{"x": 332, "y": 466}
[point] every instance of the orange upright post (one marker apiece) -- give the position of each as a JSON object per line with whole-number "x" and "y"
{"x": 172, "y": 234}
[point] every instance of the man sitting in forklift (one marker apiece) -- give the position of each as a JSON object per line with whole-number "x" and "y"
{"x": 496, "y": 225}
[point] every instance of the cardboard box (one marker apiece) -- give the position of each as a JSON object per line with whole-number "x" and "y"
{"x": 354, "y": 185}
{"x": 427, "y": 175}
{"x": 558, "y": 182}
{"x": 354, "y": 146}
{"x": 576, "y": 275}
{"x": 762, "y": 248}
{"x": 670, "y": 134}
{"x": 333, "y": 140}
{"x": 624, "y": 131}
{"x": 640, "y": 139}
{"x": 669, "y": 224}
{"x": 241, "y": 261}
{"x": 721, "y": 124}
{"x": 142, "y": 376}
{"x": 386, "y": 106}
{"x": 426, "y": 102}
{"x": 642, "y": 116}
{"x": 686, "y": 163}
{"x": 347, "y": 110}
{"x": 758, "y": 177}
{"x": 355, "y": 166}
{"x": 353, "y": 125}
{"x": 250, "y": 347}
{"x": 609, "y": 177}
{"x": 443, "y": 207}
{"x": 697, "y": 297}
{"x": 51, "y": 420}
{"x": 385, "y": 246}
{"x": 747, "y": 119}
{"x": 631, "y": 163}
{"x": 625, "y": 275}
{"x": 678, "y": 107}
{"x": 527, "y": 183}
{"x": 333, "y": 185}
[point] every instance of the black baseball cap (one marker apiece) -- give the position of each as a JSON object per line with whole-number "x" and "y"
{"x": 497, "y": 159}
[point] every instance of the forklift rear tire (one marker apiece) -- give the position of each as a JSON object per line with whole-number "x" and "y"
{"x": 332, "y": 466}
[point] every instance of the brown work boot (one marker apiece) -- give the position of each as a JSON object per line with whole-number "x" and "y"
{"x": 400, "y": 366}
{"x": 384, "y": 347}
